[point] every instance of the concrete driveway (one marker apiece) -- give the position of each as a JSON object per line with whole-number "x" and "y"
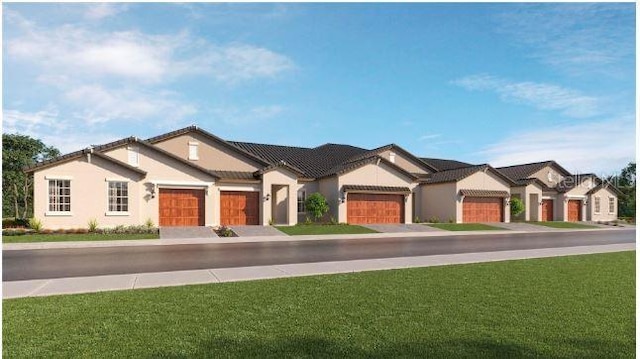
{"x": 401, "y": 228}
{"x": 520, "y": 226}
{"x": 256, "y": 231}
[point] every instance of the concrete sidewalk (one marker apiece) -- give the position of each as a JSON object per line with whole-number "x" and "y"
{"x": 46, "y": 287}
{"x": 285, "y": 238}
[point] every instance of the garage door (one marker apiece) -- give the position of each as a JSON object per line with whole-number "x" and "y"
{"x": 547, "y": 210}
{"x": 482, "y": 209}
{"x": 181, "y": 207}
{"x": 239, "y": 208}
{"x": 365, "y": 208}
{"x": 574, "y": 208}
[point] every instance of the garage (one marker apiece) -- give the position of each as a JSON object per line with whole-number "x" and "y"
{"x": 239, "y": 208}
{"x": 547, "y": 210}
{"x": 482, "y": 209}
{"x": 181, "y": 207}
{"x": 369, "y": 208}
{"x": 574, "y": 210}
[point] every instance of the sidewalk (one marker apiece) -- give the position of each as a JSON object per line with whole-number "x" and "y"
{"x": 285, "y": 238}
{"x": 47, "y": 287}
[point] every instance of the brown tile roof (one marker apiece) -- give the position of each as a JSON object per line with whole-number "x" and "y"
{"x": 458, "y": 174}
{"x": 523, "y": 171}
{"x": 605, "y": 184}
{"x": 351, "y": 165}
{"x": 235, "y": 175}
{"x": 386, "y": 189}
{"x": 444, "y": 165}
{"x": 483, "y": 193}
{"x": 417, "y": 161}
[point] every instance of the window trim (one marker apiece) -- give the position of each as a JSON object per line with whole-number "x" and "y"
{"x": 612, "y": 203}
{"x": 392, "y": 157}
{"x": 49, "y": 212}
{"x": 304, "y": 199}
{"x": 195, "y": 145}
{"x": 596, "y": 205}
{"x": 136, "y": 150}
{"x": 111, "y": 212}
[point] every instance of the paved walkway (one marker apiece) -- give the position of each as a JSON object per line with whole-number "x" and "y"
{"x": 519, "y": 226}
{"x": 256, "y": 231}
{"x": 186, "y": 232}
{"x": 46, "y": 287}
{"x": 401, "y": 228}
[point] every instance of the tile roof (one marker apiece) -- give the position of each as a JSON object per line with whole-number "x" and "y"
{"x": 235, "y": 175}
{"x": 483, "y": 193}
{"x": 605, "y": 184}
{"x": 453, "y": 175}
{"x": 445, "y": 165}
{"x": 417, "y": 161}
{"x": 387, "y": 189}
{"x": 523, "y": 171}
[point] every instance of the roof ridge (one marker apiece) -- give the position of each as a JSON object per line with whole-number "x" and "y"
{"x": 268, "y": 144}
{"x": 527, "y": 164}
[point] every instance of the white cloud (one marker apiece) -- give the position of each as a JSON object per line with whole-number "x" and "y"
{"x": 96, "y": 104}
{"x": 542, "y": 96}
{"x": 99, "y": 11}
{"x": 429, "y": 136}
{"x": 600, "y": 147}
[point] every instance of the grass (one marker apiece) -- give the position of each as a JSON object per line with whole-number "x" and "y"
{"x": 563, "y": 307}
{"x": 307, "y": 229}
{"x": 74, "y": 237}
{"x": 563, "y": 224}
{"x": 465, "y": 227}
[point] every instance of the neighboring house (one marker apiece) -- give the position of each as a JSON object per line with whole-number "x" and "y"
{"x": 191, "y": 177}
{"x": 551, "y": 193}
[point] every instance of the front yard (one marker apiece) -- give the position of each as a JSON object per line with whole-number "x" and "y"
{"x": 568, "y": 307}
{"x": 26, "y": 238}
{"x": 465, "y": 227}
{"x": 307, "y": 229}
{"x": 563, "y": 225}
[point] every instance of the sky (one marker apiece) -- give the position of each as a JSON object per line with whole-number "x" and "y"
{"x": 501, "y": 83}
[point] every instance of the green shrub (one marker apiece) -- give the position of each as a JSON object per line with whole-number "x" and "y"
{"x": 333, "y": 220}
{"x": 307, "y": 220}
{"x": 316, "y": 206}
{"x": 416, "y": 220}
{"x": 451, "y": 220}
{"x": 93, "y": 225}
{"x": 149, "y": 223}
{"x": 517, "y": 207}
{"x": 434, "y": 219}
{"x": 224, "y": 231}
{"x": 35, "y": 224}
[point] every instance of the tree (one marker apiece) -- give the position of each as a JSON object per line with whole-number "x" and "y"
{"x": 517, "y": 206}
{"x": 316, "y": 205}
{"x": 19, "y": 151}
{"x": 626, "y": 183}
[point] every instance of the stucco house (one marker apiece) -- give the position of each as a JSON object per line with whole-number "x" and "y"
{"x": 191, "y": 177}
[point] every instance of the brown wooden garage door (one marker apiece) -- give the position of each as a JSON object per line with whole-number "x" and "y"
{"x": 366, "y": 208}
{"x": 239, "y": 208}
{"x": 574, "y": 210}
{"x": 482, "y": 209}
{"x": 547, "y": 210}
{"x": 181, "y": 207}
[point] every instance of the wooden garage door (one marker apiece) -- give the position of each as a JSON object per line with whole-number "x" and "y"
{"x": 547, "y": 210}
{"x": 574, "y": 210}
{"x": 366, "y": 208}
{"x": 482, "y": 209}
{"x": 181, "y": 207}
{"x": 239, "y": 208}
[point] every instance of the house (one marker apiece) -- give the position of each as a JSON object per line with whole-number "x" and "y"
{"x": 190, "y": 177}
{"x": 551, "y": 193}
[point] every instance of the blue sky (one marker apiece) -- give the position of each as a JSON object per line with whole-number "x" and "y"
{"x": 497, "y": 83}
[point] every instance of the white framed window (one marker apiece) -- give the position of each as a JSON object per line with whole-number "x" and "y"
{"x": 60, "y": 195}
{"x": 133, "y": 156}
{"x": 596, "y": 205}
{"x": 392, "y": 157}
{"x": 612, "y": 205}
{"x": 193, "y": 150}
{"x": 118, "y": 197}
{"x": 302, "y": 197}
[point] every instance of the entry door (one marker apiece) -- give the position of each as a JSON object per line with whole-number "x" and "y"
{"x": 574, "y": 210}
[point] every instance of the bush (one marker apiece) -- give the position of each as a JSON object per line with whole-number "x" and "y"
{"x": 15, "y": 223}
{"x": 149, "y": 223}
{"x": 517, "y": 207}
{"x": 35, "y": 224}
{"x": 434, "y": 219}
{"x": 333, "y": 220}
{"x": 93, "y": 225}
{"x": 224, "y": 231}
{"x": 307, "y": 220}
{"x": 16, "y": 232}
{"x": 316, "y": 206}
{"x": 416, "y": 220}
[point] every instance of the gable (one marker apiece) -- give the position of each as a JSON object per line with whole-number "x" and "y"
{"x": 211, "y": 155}
{"x": 484, "y": 180}
{"x": 403, "y": 161}
{"x": 550, "y": 175}
{"x": 375, "y": 174}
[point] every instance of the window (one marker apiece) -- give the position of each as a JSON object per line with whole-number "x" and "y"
{"x": 118, "y": 197}
{"x": 133, "y": 156}
{"x": 392, "y": 157}
{"x": 59, "y": 195}
{"x": 612, "y": 205}
{"x": 193, "y": 151}
{"x": 596, "y": 205}
{"x": 302, "y": 197}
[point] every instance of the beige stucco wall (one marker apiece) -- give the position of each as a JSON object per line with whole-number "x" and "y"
{"x": 543, "y": 175}
{"x": 438, "y": 201}
{"x": 530, "y": 196}
{"x": 211, "y": 155}
{"x": 576, "y": 193}
{"x": 403, "y": 162}
{"x": 330, "y": 190}
{"x": 89, "y": 194}
{"x": 483, "y": 180}
{"x": 604, "y": 215}
{"x": 374, "y": 175}
{"x": 280, "y": 176}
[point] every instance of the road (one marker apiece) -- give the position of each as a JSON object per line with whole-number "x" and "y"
{"x": 60, "y": 263}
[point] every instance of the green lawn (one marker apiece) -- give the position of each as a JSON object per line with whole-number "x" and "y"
{"x": 74, "y": 237}
{"x": 563, "y": 224}
{"x": 563, "y": 307}
{"x": 324, "y": 229}
{"x": 466, "y": 227}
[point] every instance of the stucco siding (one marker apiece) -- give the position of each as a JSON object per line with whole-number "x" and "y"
{"x": 402, "y": 162}
{"x": 286, "y": 210}
{"x": 603, "y": 215}
{"x": 549, "y": 176}
{"x": 438, "y": 201}
{"x": 211, "y": 155}
{"x": 484, "y": 180}
{"x": 328, "y": 187}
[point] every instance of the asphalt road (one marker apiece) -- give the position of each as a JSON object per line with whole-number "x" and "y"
{"x": 59, "y": 263}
